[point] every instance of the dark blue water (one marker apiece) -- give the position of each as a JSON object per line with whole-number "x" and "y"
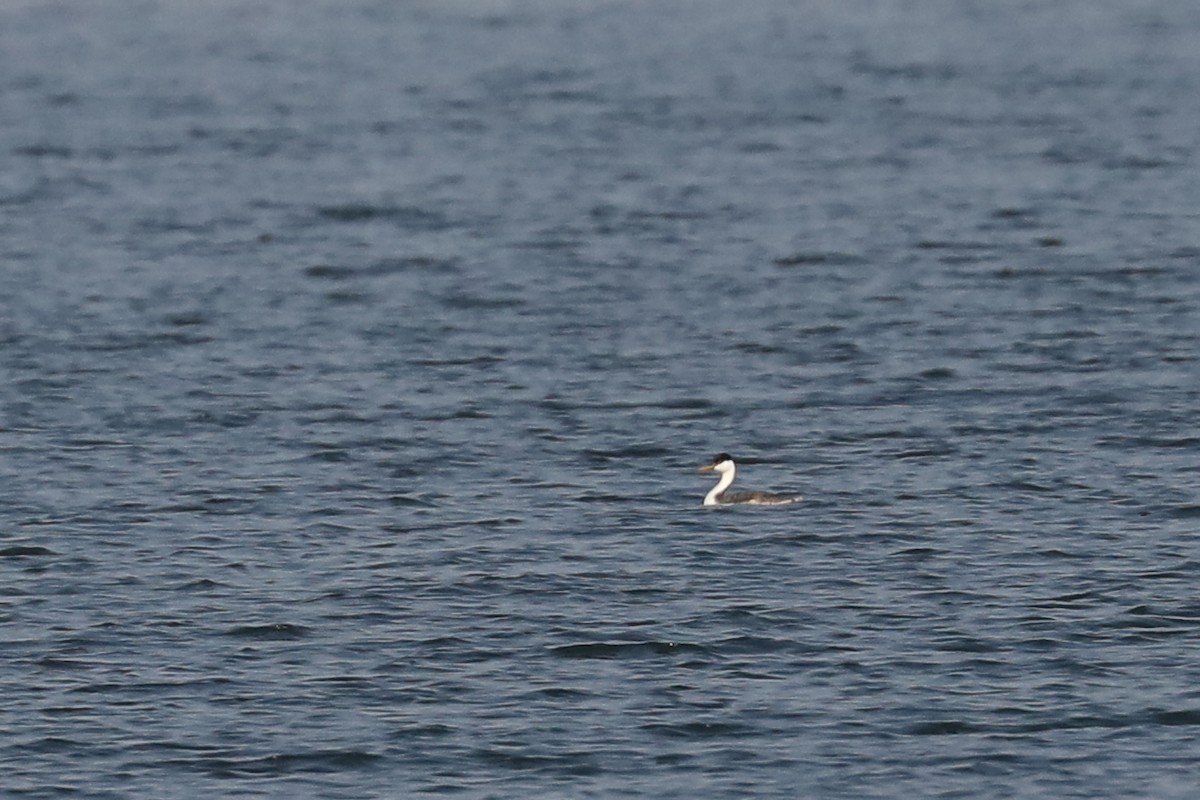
{"x": 356, "y": 359}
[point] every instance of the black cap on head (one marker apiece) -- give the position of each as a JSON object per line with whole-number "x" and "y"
{"x": 719, "y": 457}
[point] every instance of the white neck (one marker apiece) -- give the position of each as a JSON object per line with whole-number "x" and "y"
{"x": 711, "y": 499}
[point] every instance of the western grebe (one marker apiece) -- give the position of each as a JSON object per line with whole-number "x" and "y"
{"x": 718, "y": 496}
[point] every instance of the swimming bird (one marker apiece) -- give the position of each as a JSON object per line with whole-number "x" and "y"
{"x": 722, "y": 463}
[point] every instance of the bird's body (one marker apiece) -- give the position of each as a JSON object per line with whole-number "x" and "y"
{"x": 719, "y": 495}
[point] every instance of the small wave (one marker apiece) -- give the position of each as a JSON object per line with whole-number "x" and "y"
{"x": 757, "y": 645}
{"x": 44, "y": 151}
{"x": 684, "y": 404}
{"x": 348, "y": 298}
{"x": 1187, "y": 511}
{"x": 963, "y": 643}
{"x": 945, "y": 727}
{"x": 560, "y": 693}
{"x": 1067, "y": 600}
{"x": 51, "y": 744}
{"x": 25, "y": 550}
{"x": 946, "y": 244}
{"x": 1014, "y": 212}
{"x": 458, "y": 361}
{"x": 342, "y": 680}
{"x": 629, "y": 451}
{"x": 200, "y": 585}
{"x": 330, "y": 454}
{"x": 330, "y": 272}
{"x": 405, "y": 216}
{"x": 819, "y": 258}
{"x": 699, "y": 729}
{"x": 1188, "y": 716}
{"x": 758, "y": 349}
{"x": 188, "y": 319}
{"x": 924, "y": 452}
{"x": 273, "y": 632}
{"x": 422, "y": 730}
{"x": 463, "y": 301}
{"x": 567, "y": 763}
{"x": 1185, "y": 717}
{"x": 612, "y": 650}
{"x": 413, "y": 500}
{"x": 321, "y": 761}
{"x": 603, "y": 497}
{"x": 381, "y": 268}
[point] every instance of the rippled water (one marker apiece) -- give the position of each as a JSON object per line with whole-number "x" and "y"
{"x": 357, "y": 358}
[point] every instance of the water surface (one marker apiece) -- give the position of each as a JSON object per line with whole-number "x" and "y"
{"x": 357, "y": 359}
